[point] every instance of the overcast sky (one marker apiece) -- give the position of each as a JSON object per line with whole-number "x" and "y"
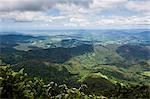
{"x": 80, "y": 14}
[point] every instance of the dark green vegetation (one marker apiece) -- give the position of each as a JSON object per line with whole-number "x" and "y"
{"x": 99, "y": 59}
{"x": 134, "y": 52}
{"x": 14, "y": 85}
{"x": 19, "y": 85}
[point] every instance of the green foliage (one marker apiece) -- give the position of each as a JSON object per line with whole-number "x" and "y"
{"x": 132, "y": 91}
{"x": 45, "y": 70}
{"x": 19, "y": 85}
{"x": 71, "y": 60}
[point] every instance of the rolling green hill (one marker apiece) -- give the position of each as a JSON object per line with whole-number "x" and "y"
{"x": 99, "y": 60}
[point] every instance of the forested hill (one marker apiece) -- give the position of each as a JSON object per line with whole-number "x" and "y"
{"x": 19, "y": 85}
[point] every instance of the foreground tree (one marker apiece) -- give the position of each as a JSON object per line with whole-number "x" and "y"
{"x": 14, "y": 85}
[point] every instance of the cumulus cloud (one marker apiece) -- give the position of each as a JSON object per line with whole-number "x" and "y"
{"x": 37, "y": 5}
{"x": 30, "y": 16}
{"x": 104, "y": 4}
{"x": 132, "y": 20}
{"x": 36, "y": 10}
{"x": 139, "y": 5}
{"x": 77, "y": 13}
{"x": 23, "y": 5}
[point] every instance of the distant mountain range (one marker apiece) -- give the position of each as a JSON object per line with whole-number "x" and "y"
{"x": 81, "y": 56}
